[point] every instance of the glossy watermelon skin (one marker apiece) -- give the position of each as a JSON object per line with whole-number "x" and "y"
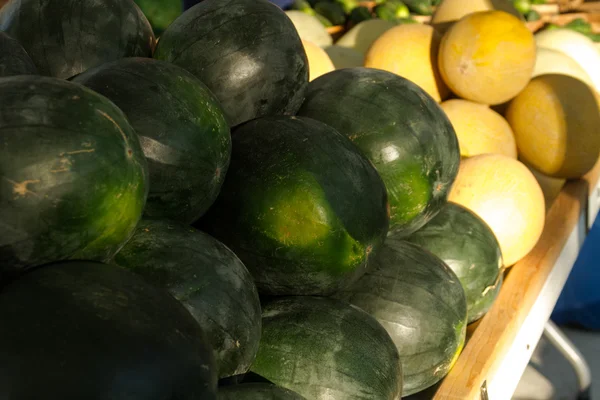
{"x": 14, "y": 60}
{"x": 182, "y": 130}
{"x": 208, "y": 278}
{"x": 85, "y": 330}
{"x": 468, "y": 246}
{"x": 413, "y": 289}
{"x": 246, "y": 51}
{"x": 73, "y": 175}
{"x": 75, "y": 35}
{"x": 301, "y": 207}
{"x": 257, "y": 391}
{"x": 324, "y": 348}
{"x": 400, "y": 128}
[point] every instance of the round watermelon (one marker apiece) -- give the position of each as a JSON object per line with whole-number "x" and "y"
{"x": 85, "y": 330}
{"x": 74, "y": 178}
{"x": 421, "y": 303}
{"x": 208, "y": 279}
{"x": 14, "y": 60}
{"x": 247, "y": 52}
{"x": 67, "y": 37}
{"x": 301, "y": 207}
{"x": 323, "y": 348}
{"x": 257, "y": 391}
{"x": 182, "y": 130}
{"x": 400, "y": 128}
{"x": 468, "y": 246}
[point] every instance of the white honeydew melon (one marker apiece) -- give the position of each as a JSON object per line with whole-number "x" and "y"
{"x": 344, "y": 57}
{"x": 575, "y": 45}
{"x": 310, "y": 28}
{"x": 362, "y": 35}
{"x": 319, "y": 62}
{"x": 550, "y": 61}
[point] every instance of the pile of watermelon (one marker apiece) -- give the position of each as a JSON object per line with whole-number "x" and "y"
{"x": 189, "y": 218}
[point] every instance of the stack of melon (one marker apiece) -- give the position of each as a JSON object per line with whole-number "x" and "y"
{"x": 192, "y": 218}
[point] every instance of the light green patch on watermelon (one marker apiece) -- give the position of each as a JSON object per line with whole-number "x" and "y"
{"x": 300, "y": 219}
{"x": 124, "y": 214}
{"x": 408, "y": 189}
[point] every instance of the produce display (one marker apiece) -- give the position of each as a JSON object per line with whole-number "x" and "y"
{"x": 266, "y": 203}
{"x": 420, "y": 302}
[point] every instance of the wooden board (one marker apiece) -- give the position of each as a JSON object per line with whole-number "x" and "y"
{"x": 497, "y": 331}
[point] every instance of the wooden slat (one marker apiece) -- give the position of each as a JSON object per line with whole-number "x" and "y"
{"x": 493, "y": 337}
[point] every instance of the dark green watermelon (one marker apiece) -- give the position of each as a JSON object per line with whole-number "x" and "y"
{"x": 400, "y": 128}
{"x": 74, "y": 178}
{"x": 208, "y": 279}
{"x": 247, "y": 52}
{"x": 14, "y": 60}
{"x": 421, "y": 303}
{"x": 160, "y": 13}
{"x": 85, "y": 330}
{"x": 323, "y": 348}
{"x": 67, "y": 37}
{"x": 468, "y": 246}
{"x": 257, "y": 391}
{"x": 301, "y": 207}
{"x": 182, "y": 129}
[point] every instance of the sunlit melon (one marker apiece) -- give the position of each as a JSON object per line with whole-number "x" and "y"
{"x": 410, "y": 51}
{"x": 506, "y": 195}
{"x": 480, "y": 130}
{"x": 487, "y": 57}
{"x": 319, "y": 62}
{"x": 344, "y": 57}
{"x": 577, "y": 46}
{"x": 551, "y": 61}
{"x": 361, "y": 36}
{"x": 556, "y": 122}
{"x": 450, "y": 11}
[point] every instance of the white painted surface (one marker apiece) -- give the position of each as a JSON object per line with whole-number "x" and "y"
{"x": 503, "y": 382}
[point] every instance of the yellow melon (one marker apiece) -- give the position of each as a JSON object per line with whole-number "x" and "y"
{"x": 551, "y": 187}
{"x": 361, "y": 36}
{"x": 450, "y": 11}
{"x": 319, "y": 62}
{"x": 487, "y": 57}
{"x": 410, "y": 51}
{"x": 480, "y": 130}
{"x": 556, "y": 122}
{"x": 506, "y": 195}
{"x": 549, "y": 61}
{"x": 344, "y": 57}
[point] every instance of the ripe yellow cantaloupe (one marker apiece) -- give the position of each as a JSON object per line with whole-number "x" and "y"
{"x": 479, "y": 129}
{"x": 487, "y": 57}
{"x": 361, "y": 36}
{"x": 319, "y": 62}
{"x": 411, "y": 52}
{"x": 506, "y": 195}
{"x": 556, "y": 122}
{"x": 551, "y": 187}
{"x": 450, "y": 11}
